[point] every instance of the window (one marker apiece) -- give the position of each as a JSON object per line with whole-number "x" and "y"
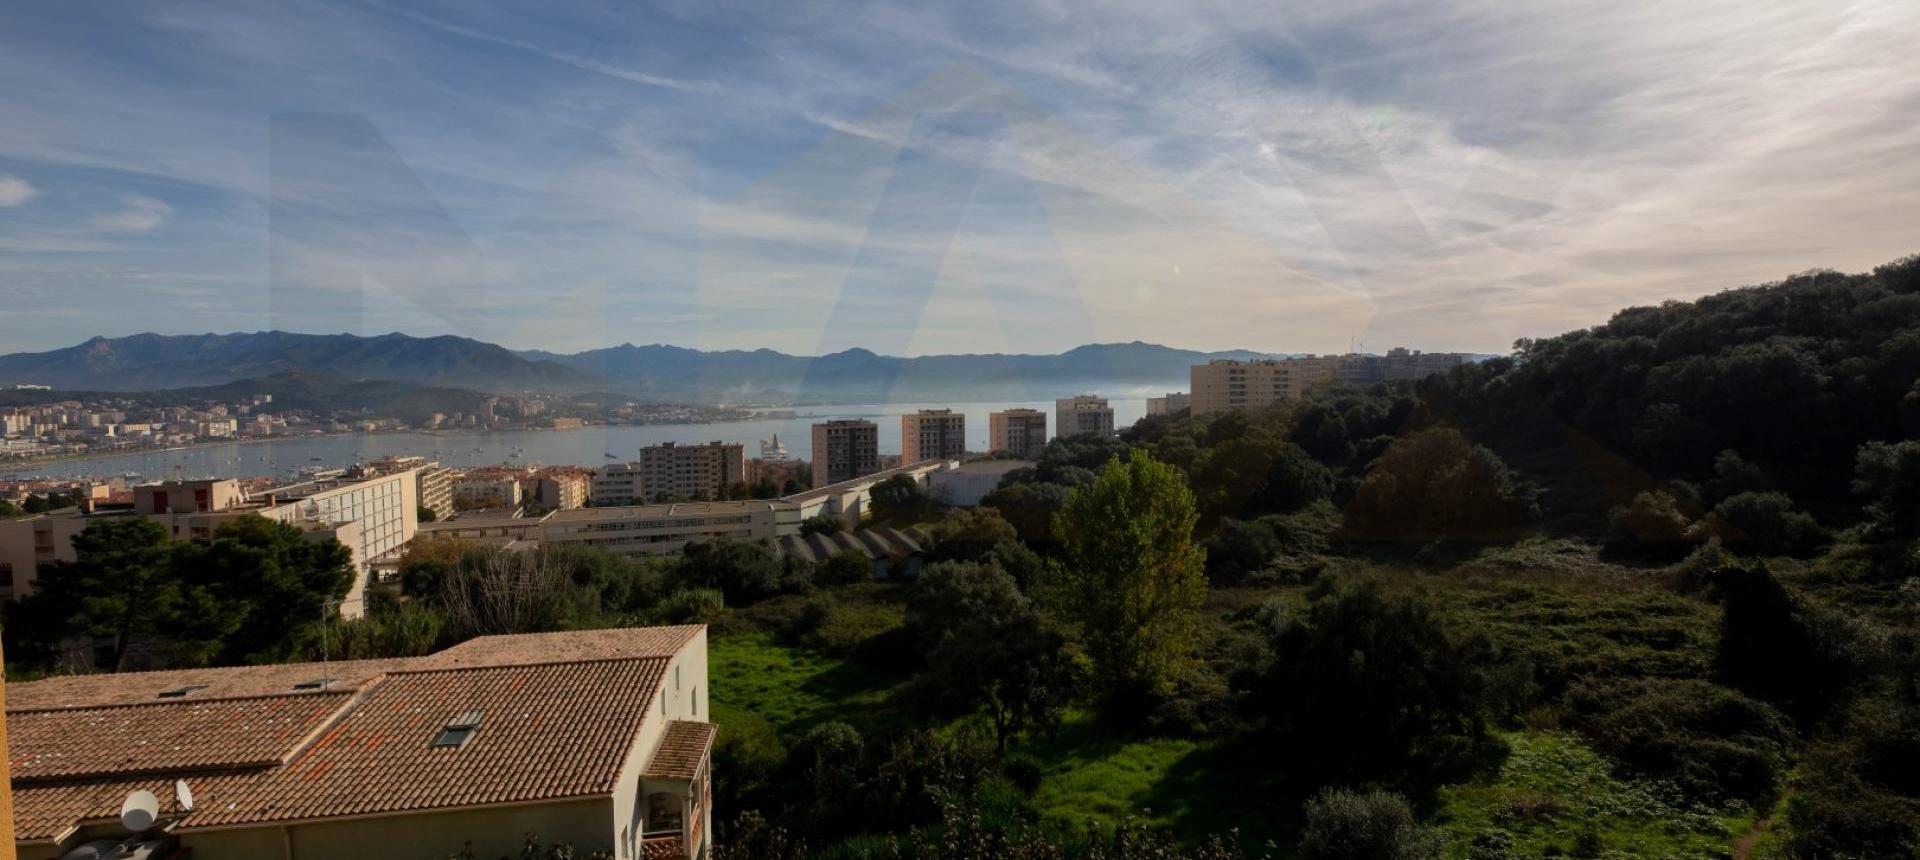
{"x": 315, "y": 684}
{"x": 180, "y": 692}
{"x": 676, "y": 676}
{"x": 458, "y": 730}
{"x": 696, "y": 701}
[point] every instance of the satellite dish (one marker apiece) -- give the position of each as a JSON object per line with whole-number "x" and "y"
{"x": 183, "y": 795}
{"x": 140, "y": 811}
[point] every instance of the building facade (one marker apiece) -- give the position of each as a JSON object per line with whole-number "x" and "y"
{"x": 1223, "y": 385}
{"x": 1086, "y": 413}
{"x": 932, "y": 434}
{"x": 671, "y": 471}
{"x": 489, "y": 488}
{"x": 844, "y": 450}
{"x": 1173, "y": 403}
{"x": 616, "y": 484}
{"x": 1020, "y": 432}
{"x": 564, "y": 488}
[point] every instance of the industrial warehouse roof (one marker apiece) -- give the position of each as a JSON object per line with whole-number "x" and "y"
{"x": 875, "y": 543}
{"x": 557, "y": 715}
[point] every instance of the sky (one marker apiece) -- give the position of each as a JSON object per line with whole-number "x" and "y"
{"x": 919, "y": 178}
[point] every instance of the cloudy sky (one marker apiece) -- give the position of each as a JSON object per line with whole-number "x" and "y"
{"x": 927, "y": 178}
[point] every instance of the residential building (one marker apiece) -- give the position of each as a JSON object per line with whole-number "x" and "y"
{"x": 844, "y": 450}
{"x": 563, "y": 487}
{"x": 1222, "y": 384}
{"x": 490, "y": 488}
{"x": 616, "y": 484}
{"x": 432, "y": 482}
{"x": 1173, "y": 403}
{"x": 370, "y": 515}
{"x": 1398, "y": 363}
{"x": 670, "y": 471}
{"x": 601, "y": 739}
{"x": 1086, "y": 413}
{"x": 932, "y": 434}
{"x": 1020, "y": 432}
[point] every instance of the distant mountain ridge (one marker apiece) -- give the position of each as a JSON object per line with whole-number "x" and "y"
{"x": 654, "y": 372}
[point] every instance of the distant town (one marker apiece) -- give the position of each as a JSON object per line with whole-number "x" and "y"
{"x": 672, "y": 494}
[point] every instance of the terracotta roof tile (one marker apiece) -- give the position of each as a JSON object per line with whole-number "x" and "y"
{"x": 530, "y": 648}
{"x": 174, "y": 738}
{"x": 126, "y": 688}
{"x": 559, "y": 714}
{"x": 546, "y": 732}
{"x": 682, "y": 748}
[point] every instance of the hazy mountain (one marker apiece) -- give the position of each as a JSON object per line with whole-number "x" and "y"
{"x": 293, "y": 389}
{"x": 145, "y": 362}
{"x": 658, "y": 373}
{"x": 859, "y": 375}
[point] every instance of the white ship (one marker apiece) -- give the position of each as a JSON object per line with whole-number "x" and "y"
{"x": 772, "y": 451}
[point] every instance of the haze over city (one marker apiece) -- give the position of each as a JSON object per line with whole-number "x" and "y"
{"x": 939, "y": 179}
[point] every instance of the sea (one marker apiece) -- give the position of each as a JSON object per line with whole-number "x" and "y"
{"x": 588, "y": 446}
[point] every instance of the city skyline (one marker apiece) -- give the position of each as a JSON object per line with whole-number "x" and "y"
{"x": 937, "y": 180}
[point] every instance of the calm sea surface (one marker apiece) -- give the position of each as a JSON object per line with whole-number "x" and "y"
{"x": 585, "y": 447}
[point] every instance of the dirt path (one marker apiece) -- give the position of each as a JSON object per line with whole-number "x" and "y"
{"x": 1743, "y": 846}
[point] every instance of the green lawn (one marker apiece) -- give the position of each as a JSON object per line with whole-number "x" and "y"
{"x": 1553, "y": 788}
{"x": 793, "y": 690}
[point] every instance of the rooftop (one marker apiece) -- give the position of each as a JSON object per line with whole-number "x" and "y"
{"x": 557, "y": 715}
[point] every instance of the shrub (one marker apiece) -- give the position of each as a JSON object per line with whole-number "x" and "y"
{"x": 1712, "y": 742}
{"x": 1764, "y": 523}
{"x": 1652, "y": 526}
{"x": 692, "y": 606}
{"x": 846, "y": 567}
{"x": 1435, "y": 485}
{"x": 1375, "y": 825}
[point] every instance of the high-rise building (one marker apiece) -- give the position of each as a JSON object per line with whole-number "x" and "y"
{"x": 1173, "y": 403}
{"x": 844, "y": 450}
{"x": 672, "y": 471}
{"x": 1222, "y": 385}
{"x": 1020, "y": 432}
{"x": 563, "y": 488}
{"x": 1086, "y": 413}
{"x": 1398, "y": 363}
{"x": 932, "y": 434}
{"x": 432, "y": 482}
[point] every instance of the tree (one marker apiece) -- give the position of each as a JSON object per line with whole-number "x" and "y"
{"x": 122, "y": 585}
{"x": 1030, "y": 507}
{"x": 746, "y": 572}
{"x": 426, "y": 514}
{"x": 8, "y": 509}
{"x": 1239, "y": 550}
{"x": 283, "y": 579}
{"x": 900, "y": 499}
{"x": 1766, "y": 523}
{"x": 1374, "y": 825}
{"x": 1887, "y": 477}
{"x": 1393, "y": 695}
{"x": 1130, "y": 574}
{"x": 822, "y": 524}
{"x": 846, "y": 567}
{"x": 968, "y": 534}
{"x": 1434, "y": 485}
{"x": 985, "y": 646}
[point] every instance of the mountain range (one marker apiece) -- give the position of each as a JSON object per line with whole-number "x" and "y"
{"x": 653, "y": 373}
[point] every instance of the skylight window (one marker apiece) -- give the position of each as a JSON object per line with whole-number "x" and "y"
{"x": 181, "y": 692}
{"x": 315, "y": 684}
{"x": 458, "y": 730}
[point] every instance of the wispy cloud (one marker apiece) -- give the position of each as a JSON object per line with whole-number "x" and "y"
{"x": 15, "y": 191}
{"x": 142, "y": 214}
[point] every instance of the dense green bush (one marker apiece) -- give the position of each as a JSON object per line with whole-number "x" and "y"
{"x": 1374, "y": 825}
{"x": 846, "y": 567}
{"x": 1763, "y": 523}
{"x": 1713, "y": 742}
{"x": 1395, "y": 695}
{"x": 1435, "y": 485}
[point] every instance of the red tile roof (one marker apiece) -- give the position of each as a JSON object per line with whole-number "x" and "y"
{"x": 682, "y": 748}
{"x": 565, "y": 646}
{"x": 559, "y": 714}
{"x": 127, "y": 688}
{"x": 170, "y": 739}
